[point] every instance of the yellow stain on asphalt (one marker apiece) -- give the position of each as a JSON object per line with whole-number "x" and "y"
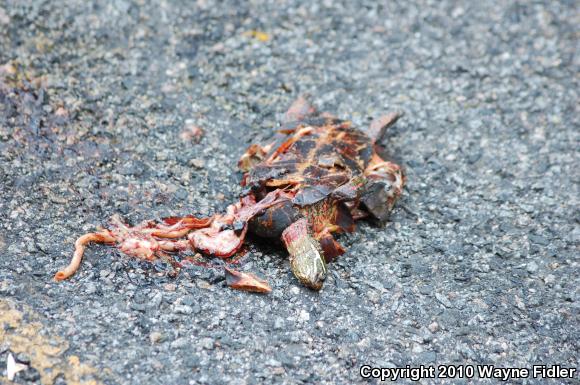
{"x": 258, "y": 35}
{"x": 22, "y": 332}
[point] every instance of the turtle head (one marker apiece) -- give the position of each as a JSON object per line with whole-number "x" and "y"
{"x": 306, "y": 257}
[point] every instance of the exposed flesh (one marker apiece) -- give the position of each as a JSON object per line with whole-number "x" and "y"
{"x": 150, "y": 240}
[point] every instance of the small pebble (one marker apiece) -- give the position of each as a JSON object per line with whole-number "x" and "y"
{"x": 532, "y": 267}
{"x": 170, "y": 286}
{"x": 197, "y": 163}
{"x": 433, "y": 327}
{"x": 155, "y": 337}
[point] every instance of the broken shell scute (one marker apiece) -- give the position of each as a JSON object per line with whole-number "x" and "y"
{"x": 246, "y": 281}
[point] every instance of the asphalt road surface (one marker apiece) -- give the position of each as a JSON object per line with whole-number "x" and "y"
{"x": 478, "y": 264}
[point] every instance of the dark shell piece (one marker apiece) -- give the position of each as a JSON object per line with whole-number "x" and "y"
{"x": 263, "y": 172}
{"x": 310, "y": 195}
{"x": 351, "y": 190}
{"x": 274, "y": 220}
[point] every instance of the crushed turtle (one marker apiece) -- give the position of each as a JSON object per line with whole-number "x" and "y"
{"x": 316, "y": 176}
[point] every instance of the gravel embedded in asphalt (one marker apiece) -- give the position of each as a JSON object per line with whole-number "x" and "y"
{"x": 477, "y": 265}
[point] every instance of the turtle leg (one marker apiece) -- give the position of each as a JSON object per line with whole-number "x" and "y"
{"x": 384, "y": 186}
{"x": 378, "y": 126}
{"x": 306, "y": 255}
{"x": 300, "y": 109}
